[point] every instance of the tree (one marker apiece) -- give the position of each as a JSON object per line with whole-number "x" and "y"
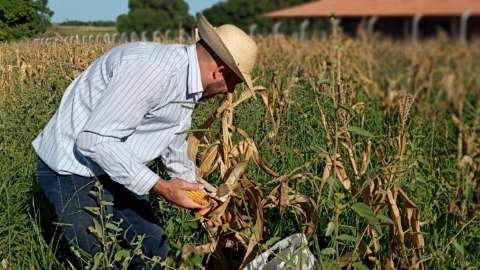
{"x": 23, "y": 18}
{"x": 243, "y": 13}
{"x": 151, "y": 15}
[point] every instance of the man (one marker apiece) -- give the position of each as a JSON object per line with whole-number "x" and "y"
{"x": 126, "y": 109}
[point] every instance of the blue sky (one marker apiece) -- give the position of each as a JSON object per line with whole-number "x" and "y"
{"x": 91, "y": 10}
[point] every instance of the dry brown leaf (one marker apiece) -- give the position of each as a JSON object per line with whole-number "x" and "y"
{"x": 208, "y": 162}
{"x": 188, "y": 249}
{"x": 284, "y": 190}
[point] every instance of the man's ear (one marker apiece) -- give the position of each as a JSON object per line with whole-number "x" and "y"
{"x": 217, "y": 72}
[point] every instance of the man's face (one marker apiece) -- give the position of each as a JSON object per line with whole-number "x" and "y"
{"x": 222, "y": 80}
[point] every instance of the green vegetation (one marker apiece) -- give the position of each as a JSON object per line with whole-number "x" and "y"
{"x": 243, "y": 13}
{"x": 152, "y": 15}
{"x": 23, "y": 18}
{"x": 379, "y": 135}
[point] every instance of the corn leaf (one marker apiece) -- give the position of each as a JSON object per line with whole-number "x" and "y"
{"x": 360, "y": 131}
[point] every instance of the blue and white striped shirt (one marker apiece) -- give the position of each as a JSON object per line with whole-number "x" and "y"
{"x": 130, "y": 106}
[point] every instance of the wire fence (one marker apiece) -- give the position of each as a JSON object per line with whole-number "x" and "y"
{"x": 158, "y": 36}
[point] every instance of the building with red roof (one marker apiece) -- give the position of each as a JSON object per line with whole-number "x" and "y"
{"x": 414, "y": 18}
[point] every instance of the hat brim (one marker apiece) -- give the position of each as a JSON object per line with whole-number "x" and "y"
{"x": 209, "y": 35}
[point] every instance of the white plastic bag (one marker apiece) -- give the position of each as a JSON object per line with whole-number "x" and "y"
{"x": 289, "y": 253}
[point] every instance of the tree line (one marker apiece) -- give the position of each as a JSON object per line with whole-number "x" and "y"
{"x": 151, "y": 15}
{"x": 26, "y": 18}
{"x": 23, "y": 18}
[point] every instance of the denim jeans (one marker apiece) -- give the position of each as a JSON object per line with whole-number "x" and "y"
{"x": 69, "y": 195}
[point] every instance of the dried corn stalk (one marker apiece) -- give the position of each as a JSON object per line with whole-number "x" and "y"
{"x": 236, "y": 225}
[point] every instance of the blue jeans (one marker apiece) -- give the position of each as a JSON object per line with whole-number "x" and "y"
{"x": 69, "y": 195}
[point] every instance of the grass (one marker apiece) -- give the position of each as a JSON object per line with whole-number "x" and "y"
{"x": 409, "y": 110}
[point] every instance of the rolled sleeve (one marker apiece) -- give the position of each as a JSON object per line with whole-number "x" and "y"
{"x": 144, "y": 181}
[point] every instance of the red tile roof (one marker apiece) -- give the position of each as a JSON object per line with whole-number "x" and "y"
{"x": 386, "y": 8}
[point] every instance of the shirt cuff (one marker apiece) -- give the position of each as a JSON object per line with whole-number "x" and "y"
{"x": 187, "y": 175}
{"x": 143, "y": 182}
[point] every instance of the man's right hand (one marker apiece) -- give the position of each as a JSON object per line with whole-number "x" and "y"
{"x": 175, "y": 191}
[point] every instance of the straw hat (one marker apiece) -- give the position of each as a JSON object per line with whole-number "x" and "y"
{"x": 233, "y": 46}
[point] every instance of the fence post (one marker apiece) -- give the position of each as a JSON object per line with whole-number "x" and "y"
{"x": 156, "y": 36}
{"x": 180, "y": 35}
{"x": 303, "y": 28}
{"x": 276, "y": 28}
{"x": 415, "y": 27}
{"x": 464, "y": 26}
{"x": 166, "y": 35}
{"x": 196, "y": 35}
{"x": 133, "y": 36}
{"x": 253, "y": 27}
{"x": 124, "y": 37}
{"x": 106, "y": 38}
{"x": 371, "y": 24}
{"x": 144, "y": 36}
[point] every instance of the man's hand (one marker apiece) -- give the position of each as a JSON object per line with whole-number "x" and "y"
{"x": 207, "y": 209}
{"x": 175, "y": 190}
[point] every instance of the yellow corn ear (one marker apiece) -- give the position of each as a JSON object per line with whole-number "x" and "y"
{"x": 198, "y": 197}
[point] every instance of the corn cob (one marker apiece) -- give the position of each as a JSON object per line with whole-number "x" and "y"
{"x": 199, "y": 197}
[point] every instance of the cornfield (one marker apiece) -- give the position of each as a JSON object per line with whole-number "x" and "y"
{"x": 368, "y": 147}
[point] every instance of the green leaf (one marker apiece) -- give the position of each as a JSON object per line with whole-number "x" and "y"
{"x": 376, "y": 225}
{"x": 192, "y": 131}
{"x": 328, "y": 251}
{"x": 359, "y": 266}
{"x": 270, "y": 242}
{"x": 360, "y": 131}
{"x": 188, "y": 107}
{"x": 93, "y": 210}
{"x": 191, "y": 225}
{"x": 197, "y": 260}
{"x": 322, "y": 81}
{"x": 113, "y": 227}
{"x": 106, "y": 203}
{"x": 170, "y": 228}
{"x": 347, "y": 108}
{"x": 364, "y": 211}
{"x": 122, "y": 255}
{"x": 330, "y": 228}
{"x": 384, "y": 219}
{"x": 458, "y": 247}
{"x": 347, "y": 238}
{"x": 98, "y": 229}
{"x": 97, "y": 260}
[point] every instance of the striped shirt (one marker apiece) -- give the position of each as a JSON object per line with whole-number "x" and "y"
{"x": 129, "y": 107}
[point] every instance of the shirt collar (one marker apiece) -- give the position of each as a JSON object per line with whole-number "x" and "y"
{"x": 194, "y": 78}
